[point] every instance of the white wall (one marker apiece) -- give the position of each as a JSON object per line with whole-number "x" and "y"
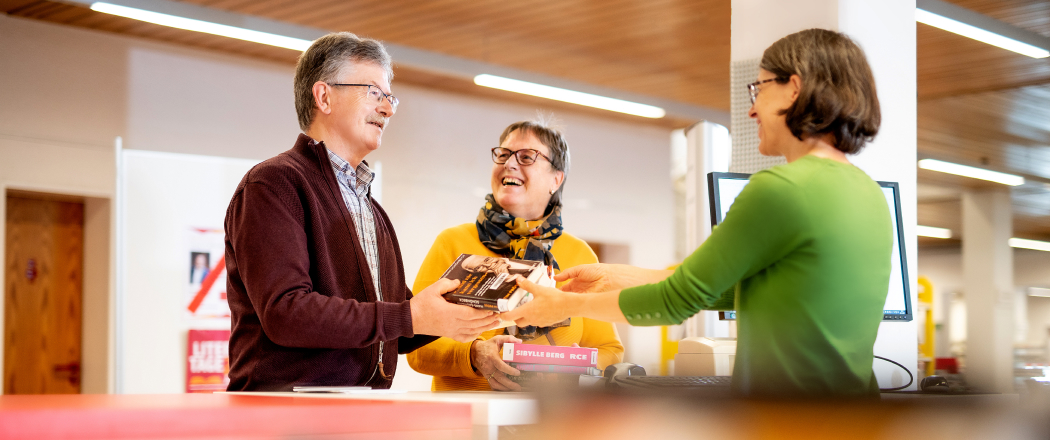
{"x": 68, "y": 92}
{"x": 166, "y": 195}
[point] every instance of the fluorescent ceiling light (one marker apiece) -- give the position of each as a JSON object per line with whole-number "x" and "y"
{"x": 1039, "y": 291}
{"x": 1029, "y": 244}
{"x": 930, "y": 231}
{"x": 202, "y": 26}
{"x": 571, "y": 96}
{"x": 971, "y": 172}
{"x": 976, "y": 33}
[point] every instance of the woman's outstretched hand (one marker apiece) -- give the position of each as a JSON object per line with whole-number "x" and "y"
{"x": 586, "y": 278}
{"x": 548, "y": 306}
{"x": 593, "y": 278}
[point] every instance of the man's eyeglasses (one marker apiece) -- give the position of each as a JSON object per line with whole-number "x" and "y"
{"x": 753, "y": 88}
{"x": 374, "y": 93}
{"x": 526, "y": 156}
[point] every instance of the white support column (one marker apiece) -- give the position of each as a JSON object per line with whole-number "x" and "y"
{"x": 989, "y": 274}
{"x": 885, "y": 30}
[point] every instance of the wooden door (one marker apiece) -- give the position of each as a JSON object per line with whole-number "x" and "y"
{"x": 42, "y": 295}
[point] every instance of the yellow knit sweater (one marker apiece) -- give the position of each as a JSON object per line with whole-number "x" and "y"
{"x": 449, "y": 361}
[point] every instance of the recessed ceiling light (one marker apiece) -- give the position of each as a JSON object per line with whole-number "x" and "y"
{"x": 930, "y": 231}
{"x": 202, "y": 26}
{"x": 570, "y": 96}
{"x": 971, "y": 172}
{"x": 976, "y": 33}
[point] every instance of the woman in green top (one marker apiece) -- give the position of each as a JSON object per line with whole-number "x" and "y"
{"x": 805, "y": 248}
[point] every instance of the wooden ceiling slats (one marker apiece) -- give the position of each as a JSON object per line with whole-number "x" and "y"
{"x": 468, "y": 28}
{"x": 950, "y": 64}
{"x": 94, "y": 20}
{"x": 976, "y": 102}
{"x": 1033, "y": 15}
{"x": 1008, "y": 129}
{"x": 221, "y": 4}
{"x": 376, "y": 20}
{"x": 41, "y": 10}
{"x": 323, "y": 17}
{"x": 358, "y": 18}
{"x": 470, "y": 39}
{"x": 339, "y": 16}
{"x": 466, "y": 37}
{"x": 262, "y": 8}
{"x": 281, "y": 8}
{"x": 67, "y": 15}
{"x": 18, "y": 7}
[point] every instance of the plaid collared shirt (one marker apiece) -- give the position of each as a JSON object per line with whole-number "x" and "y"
{"x": 354, "y": 185}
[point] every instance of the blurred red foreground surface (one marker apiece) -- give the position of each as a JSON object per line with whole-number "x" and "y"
{"x": 225, "y": 416}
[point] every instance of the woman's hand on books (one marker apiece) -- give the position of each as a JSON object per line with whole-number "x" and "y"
{"x": 593, "y": 278}
{"x": 485, "y": 358}
{"x": 433, "y": 315}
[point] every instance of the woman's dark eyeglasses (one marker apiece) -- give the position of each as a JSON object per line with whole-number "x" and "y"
{"x": 526, "y": 156}
{"x": 753, "y": 89}
{"x": 374, "y": 93}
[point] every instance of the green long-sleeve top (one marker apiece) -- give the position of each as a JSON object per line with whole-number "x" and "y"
{"x": 805, "y": 249}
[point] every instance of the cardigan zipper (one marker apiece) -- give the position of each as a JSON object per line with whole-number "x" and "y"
{"x": 379, "y": 365}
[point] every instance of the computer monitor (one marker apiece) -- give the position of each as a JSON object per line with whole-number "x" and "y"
{"x": 724, "y": 187}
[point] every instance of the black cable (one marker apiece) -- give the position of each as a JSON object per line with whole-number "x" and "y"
{"x": 911, "y": 378}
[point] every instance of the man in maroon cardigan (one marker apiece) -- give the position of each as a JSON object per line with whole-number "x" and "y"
{"x": 315, "y": 280}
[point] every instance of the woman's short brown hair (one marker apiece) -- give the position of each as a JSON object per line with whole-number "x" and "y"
{"x": 555, "y": 142}
{"x": 838, "y": 90}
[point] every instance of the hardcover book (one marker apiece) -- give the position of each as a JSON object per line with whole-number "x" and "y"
{"x": 550, "y": 355}
{"x": 561, "y": 369}
{"x": 489, "y": 282}
{"x": 539, "y": 381}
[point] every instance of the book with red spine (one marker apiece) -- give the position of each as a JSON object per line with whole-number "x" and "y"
{"x": 550, "y": 355}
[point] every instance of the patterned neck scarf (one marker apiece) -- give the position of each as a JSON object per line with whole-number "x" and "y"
{"x": 518, "y": 238}
{"x": 522, "y": 239}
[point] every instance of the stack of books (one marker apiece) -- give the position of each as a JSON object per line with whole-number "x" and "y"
{"x": 548, "y": 364}
{"x": 489, "y": 282}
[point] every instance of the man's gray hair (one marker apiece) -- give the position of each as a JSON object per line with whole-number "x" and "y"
{"x": 325, "y": 60}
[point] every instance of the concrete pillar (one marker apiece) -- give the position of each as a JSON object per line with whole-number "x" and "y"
{"x": 885, "y": 30}
{"x": 988, "y": 271}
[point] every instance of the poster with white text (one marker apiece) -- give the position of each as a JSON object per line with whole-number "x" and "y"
{"x": 207, "y": 361}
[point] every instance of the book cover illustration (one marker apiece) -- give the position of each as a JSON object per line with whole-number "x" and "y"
{"x": 489, "y": 282}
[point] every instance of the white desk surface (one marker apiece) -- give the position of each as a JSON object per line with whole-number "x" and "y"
{"x": 488, "y": 408}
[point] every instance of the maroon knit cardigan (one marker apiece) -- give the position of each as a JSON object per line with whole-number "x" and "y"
{"x": 303, "y": 305}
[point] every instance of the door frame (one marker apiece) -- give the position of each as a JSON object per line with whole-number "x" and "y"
{"x": 98, "y": 291}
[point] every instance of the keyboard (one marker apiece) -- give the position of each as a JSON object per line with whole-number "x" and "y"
{"x": 675, "y": 381}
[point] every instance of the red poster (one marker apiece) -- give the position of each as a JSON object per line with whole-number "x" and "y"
{"x": 208, "y": 361}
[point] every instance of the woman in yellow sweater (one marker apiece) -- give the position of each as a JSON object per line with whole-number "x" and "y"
{"x": 521, "y": 219}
